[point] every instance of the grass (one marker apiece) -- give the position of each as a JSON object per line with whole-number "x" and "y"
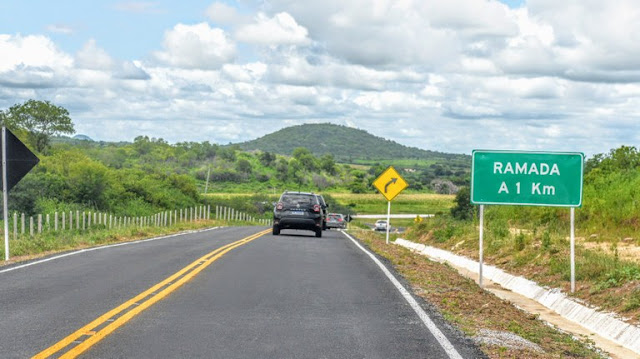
{"x": 53, "y": 242}
{"x": 542, "y": 254}
{"x": 375, "y": 203}
{"x": 361, "y": 203}
{"x": 471, "y": 309}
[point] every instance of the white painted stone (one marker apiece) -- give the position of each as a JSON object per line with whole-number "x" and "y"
{"x": 607, "y": 325}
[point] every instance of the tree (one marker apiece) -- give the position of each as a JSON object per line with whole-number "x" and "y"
{"x": 41, "y": 119}
{"x": 299, "y": 152}
{"x": 463, "y": 209}
{"x": 243, "y": 165}
{"x": 227, "y": 153}
{"x": 142, "y": 145}
{"x": 282, "y": 169}
{"x": 267, "y": 158}
{"x": 306, "y": 158}
{"x": 296, "y": 171}
{"x": 328, "y": 164}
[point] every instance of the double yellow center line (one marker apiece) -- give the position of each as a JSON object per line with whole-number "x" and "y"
{"x": 85, "y": 337}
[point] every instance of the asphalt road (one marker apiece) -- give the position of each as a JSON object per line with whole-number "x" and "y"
{"x": 287, "y": 296}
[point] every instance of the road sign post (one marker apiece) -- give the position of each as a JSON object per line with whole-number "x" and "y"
{"x": 5, "y": 194}
{"x": 390, "y": 184}
{"x": 17, "y": 161}
{"x": 552, "y": 179}
{"x": 481, "y": 252}
{"x": 388, "y": 220}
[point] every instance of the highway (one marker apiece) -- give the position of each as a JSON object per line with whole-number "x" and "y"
{"x": 236, "y": 292}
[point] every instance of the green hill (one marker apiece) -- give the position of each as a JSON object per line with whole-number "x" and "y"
{"x": 346, "y": 144}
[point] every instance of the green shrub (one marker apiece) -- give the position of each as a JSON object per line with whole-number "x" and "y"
{"x": 633, "y": 302}
{"x": 463, "y": 209}
{"x": 519, "y": 242}
{"x": 546, "y": 240}
{"x": 443, "y": 234}
{"x": 499, "y": 228}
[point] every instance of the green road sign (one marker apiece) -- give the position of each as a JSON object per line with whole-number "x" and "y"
{"x": 527, "y": 178}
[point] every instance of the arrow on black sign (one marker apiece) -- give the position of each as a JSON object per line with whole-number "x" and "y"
{"x": 20, "y": 160}
{"x": 17, "y": 161}
{"x": 393, "y": 180}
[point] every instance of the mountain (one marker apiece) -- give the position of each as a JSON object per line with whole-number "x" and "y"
{"x": 344, "y": 143}
{"x": 82, "y": 138}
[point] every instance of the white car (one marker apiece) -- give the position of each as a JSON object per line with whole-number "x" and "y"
{"x": 381, "y": 225}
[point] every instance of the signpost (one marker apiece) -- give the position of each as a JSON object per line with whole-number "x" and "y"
{"x": 390, "y": 184}
{"x": 528, "y": 179}
{"x": 17, "y": 161}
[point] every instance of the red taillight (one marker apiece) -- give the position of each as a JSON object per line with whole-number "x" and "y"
{"x": 339, "y": 219}
{"x": 279, "y": 206}
{"x": 316, "y": 208}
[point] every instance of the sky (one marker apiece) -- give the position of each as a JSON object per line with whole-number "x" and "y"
{"x": 450, "y": 76}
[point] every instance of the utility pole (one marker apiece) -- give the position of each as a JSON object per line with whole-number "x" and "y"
{"x": 206, "y": 186}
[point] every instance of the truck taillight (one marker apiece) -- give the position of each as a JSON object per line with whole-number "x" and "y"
{"x": 279, "y": 206}
{"x": 316, "y": 208}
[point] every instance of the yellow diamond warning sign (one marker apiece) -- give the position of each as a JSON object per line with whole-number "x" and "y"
{"x": 390, "y": 183}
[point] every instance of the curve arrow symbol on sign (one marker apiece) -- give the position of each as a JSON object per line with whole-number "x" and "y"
{"x": 393, "y": 180}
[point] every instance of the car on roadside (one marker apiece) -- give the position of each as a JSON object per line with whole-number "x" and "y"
{"x": 380, "y": 225}
{"x": 324, "y": 206}
{"x": 298, "y": 210}
{"x": 336, "y": 220}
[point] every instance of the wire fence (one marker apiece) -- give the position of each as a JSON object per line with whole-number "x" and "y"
{"x": 21, "y": 226}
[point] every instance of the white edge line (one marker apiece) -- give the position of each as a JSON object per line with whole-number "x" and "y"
{"x": 102, "y": 247}
{"x": 442, "y": 339}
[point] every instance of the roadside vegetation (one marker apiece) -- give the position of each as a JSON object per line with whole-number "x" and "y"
{"x": 405, "y": 203}
{"x": 479, "y": 314}
{"x": 534, "y": 242}
{"x": 53, "y": 242}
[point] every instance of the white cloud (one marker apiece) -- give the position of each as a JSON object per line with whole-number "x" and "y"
{"x": 471, "y": 19}
{"x": 449, "y": 76}
{"x": 93, "y": 57}
{"x": 196, "y": 46}
{"x": 31, "y": 51}
{"x": 131, "y": 71}
{"x": 577, "y": 40}
{"x": 399, "y": 33}
{"x": 245, "y": 73}
{"x": 223, "y": 14}
{"x": 281, "y": 29}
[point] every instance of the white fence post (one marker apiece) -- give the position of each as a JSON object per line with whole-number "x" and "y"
{"x": 15, "y": 225}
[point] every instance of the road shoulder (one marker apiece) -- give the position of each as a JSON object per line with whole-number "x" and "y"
{"x": 500, "y": 329}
